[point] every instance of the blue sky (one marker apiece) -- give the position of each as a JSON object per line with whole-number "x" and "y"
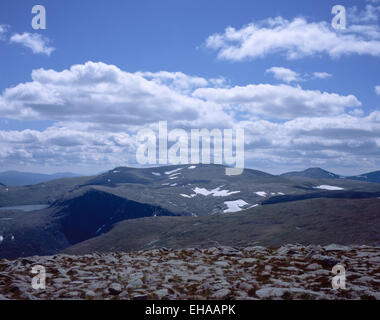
{"x": 141, "y": 38}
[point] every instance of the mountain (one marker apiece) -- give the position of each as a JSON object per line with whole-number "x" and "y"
{"x": 83, "y": 209}
{"x": 314, "y": 173}
{"x": 16, "y": 178}
{"x": 313, "y": 221}
{"x": 368, "y": 177}
{"x": 80, "y": 215}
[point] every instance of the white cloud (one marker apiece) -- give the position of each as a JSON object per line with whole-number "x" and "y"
{"x": 370, "y": 14}
{"x": 356, "y": 112}
{"x": 103, "y": 94}
{"x": 285, "y": 74}
{"x": 345, "y": 142}
{"x": 337, "y": 141}
{"x": 3, "y": 31}
{"x": 65, "y": 146}
{"x": 322, "y": 75}
{"x": 181, "y": 82}
{"x": 295, "y": 39}
{"x": 98, "y": 108}
{"x": 278, "y": 101}
{"x": 34, "y": 41}
{"x": 377, "y": 90}
{"x": 288, "y": 75}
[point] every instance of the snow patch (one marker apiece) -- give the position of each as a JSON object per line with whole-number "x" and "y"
{"x": 217, "y": 192}
{"x": 202, "y": 191}
{"x": 174, "y": 174}
{"x": 235, "y": 206}
{"x": 173, "y": 171}
{"x": 261, "y": 193}
{"x": 185, "y": 196}
{"x": 191, "y": 167}
{"x": 156, "y": 173}
{"x": 327, "y": 187}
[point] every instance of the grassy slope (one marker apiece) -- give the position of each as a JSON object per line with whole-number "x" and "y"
{"x": 43, "y": 193}
{"x": 316, "y": 221}
{"x": 34, "y": 233}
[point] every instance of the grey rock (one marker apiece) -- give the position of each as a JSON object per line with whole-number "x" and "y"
{"x": 115, "y": 289}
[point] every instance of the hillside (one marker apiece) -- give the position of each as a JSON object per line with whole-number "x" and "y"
{"x": 84, "y": 214}
{"x": 368, "y": 177}
{"x": 316, "y": 221}
{"x": 43, "y": 193}
{"x": 85, "y": 208}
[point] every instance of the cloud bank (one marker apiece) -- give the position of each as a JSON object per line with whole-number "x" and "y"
{"x": 97, "y": 109}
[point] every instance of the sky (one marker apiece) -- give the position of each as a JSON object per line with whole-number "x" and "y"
{"x": 74, "y": 96}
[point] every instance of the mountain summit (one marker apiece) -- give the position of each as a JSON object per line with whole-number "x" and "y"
{"x": 314, "y": 173}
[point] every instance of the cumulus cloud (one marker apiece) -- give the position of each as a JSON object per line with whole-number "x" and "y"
{"x": 65, "y": 146}
{"x": 278, "y": 101}
{"x": 377, "y": 90}
{"x": 97, "y": 110}
{"x": 343, "y": 142}
{"x": 322, "y": 75}
{"x": 104, "y": 94}
{"x": 295, "y": 39}
{"x": 285, "y": 74}
{"x": 34, "y": 41}
{"x": 338, "y": 141}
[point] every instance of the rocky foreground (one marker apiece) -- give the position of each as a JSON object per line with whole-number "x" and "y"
{"x": 289, "y": 272}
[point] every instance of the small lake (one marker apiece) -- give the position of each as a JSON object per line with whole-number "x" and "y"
{"x": 26, "y": 208}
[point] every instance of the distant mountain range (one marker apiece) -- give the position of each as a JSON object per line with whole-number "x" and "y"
{"x": 130, "y": 208}
{"x": 17, "y": 178}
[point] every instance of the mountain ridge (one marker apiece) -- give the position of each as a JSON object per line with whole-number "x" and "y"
{"x": 18, "y": 178}
{"x": 84, "y": 208}
{"x": 315, "y": 173}
{"x": 373, "y": 176}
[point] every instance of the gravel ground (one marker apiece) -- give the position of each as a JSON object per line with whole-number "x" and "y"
{"x": 288, "y": 272}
